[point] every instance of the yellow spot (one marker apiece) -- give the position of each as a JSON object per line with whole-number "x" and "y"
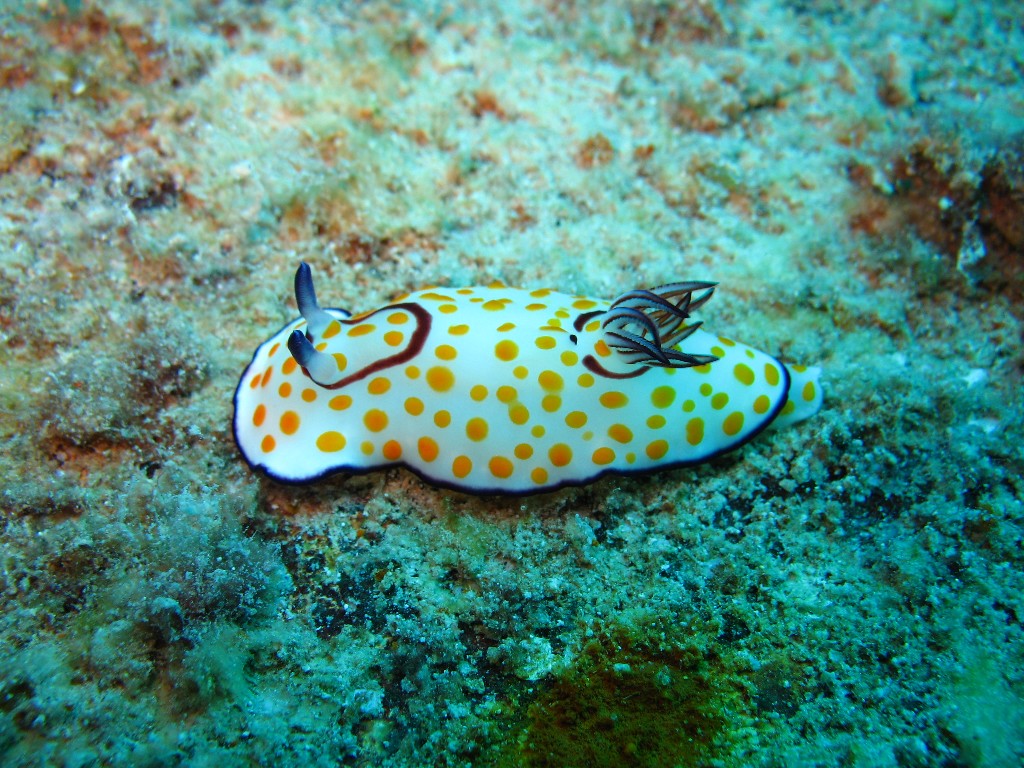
{"x": 266, "y": 377}
{"x": 743, "y": 373}
{"x": 462, "y": 466}
{"x": 440, "y": 378}
{"x": 523, "y": 451}
{"x": 576, "y": 419}
{"x": 493, "y": 305}
{"x": 540, "y": 293}
{"x": 718, "y": 351}
{"x": 620, "y": 433}
{"x": 392, "y": 450}
{"x": 285, "y": 390}
{"x": 362, "y": 329}
{"x": 727, "y": 342}
{"x": 289, "y": 422}
{"x": 321, "y": 346}
{"x": 719, "y": 401}
{"x": 585, "y": 380}
{"x": 520, "y": 372}
{"x": 561, "y": 313}
{"x": 545, "y": 342}
{"x": 706, "y": 368}
{"x": 507, "y": 394}
{"x": 538, "y": 431}
{"x": 688, "y": 406}
{"x": 560, "y": 454}
{"x": 733, "y": 423}
{"x": 663, "y": 397}
{"x": 808, "y": 391}
{"x": 656, "y": 449}
{"x": 518, "y": 414}
{"x": 584, "y": 304}
{"x": 340, "y": 361}
{"x": 771, "y": 374}
{"x": 551, "y": 403}
{"x": 695, "y": 431}
{"x": 436, "y": 296}
{"x": 798, "y": 368}
{"x": 603, "y": 456}
{"x": 506, "y": 350}
{"x": 465, "y": 291}
{"x": 478, "y": 392}
{"x": 536, "y": 307}
{"x": 706, "y": 389}
{"x": 309, "y": 395}
{"x": 413, "y": 406}
{"x": 288, "y": 366}
{"x": 366, "y": 447}
{"x": 500, "y": 467}
{"x": 398, "y": 318}
{"x": 458, "y": 330}
{"x": 412, "y": 371}
{"x": 601, "y": 348}
{"x": 788, "y": 408}
{"x": 506, "y": 327}
{"x": 630, "y": 458}
{"x": 656, "y": 422}
{"x": 330, "y": 442}
{"x": 333, "y": 329}
{"x": 442, "y": 418}
{"x": 569, "y": 358}
{"x": 762, "y": 404}
{"x": 550, "y": 381}
{"x": 259, "y": 415}
{"x": 340, "y": 402}
{"x": 427, "y": 448}
{"x": 539, "y": 476}
{"x": 378, "y": 386}
{"x": 375, "y": 420}
{"x": 592, "y": 326}
{"x": 268, "y": 444}
{"x": 447, "y": 309}
{"x": 446, "y": 352}
{"x": 476, "y": 429}
{"x": 393, "y": 338}
{"x": 613, "y": 399}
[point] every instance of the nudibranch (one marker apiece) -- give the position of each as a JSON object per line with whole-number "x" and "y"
{"x": 495, "y": 390}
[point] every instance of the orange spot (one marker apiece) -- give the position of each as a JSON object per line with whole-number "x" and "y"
{"x": 518, "y": 414}
{"x": 576, "y": 419}
{"x": 440, "y": 378}
{"x": 476, "y": 429}
{"x": 500, "y": 467}
{"x": 340, "y": 402}
{"x": 375, "y": 420}
{"x": 523, "y": 451}
{"x": 285, "y": 390}
{"x": 601, "y": 348}
{"x": 268, "y": 444}
{"x": 771, "y": 374}
{"x": 603, "y": 456}
{"x": 545, "y": 342}
{"x": 613, "y": 399}
{"x": 442, "y": 419}
{"x": 620, "y": 433}
{"x": 330, "y": 442}
{"x": 539, "y": 476}
{"x": 478, "y": 392}
{"x": 719, "y": 401}
{"x": 273, "y": 349}
{"x": 266, "y": 377}
{"x": 393, "y": 338}
{"x": 413, "y": 406}
{"x": 378, "y": 386}
{"x": 695, "y": 431}
{"x": 289, "y": 422}
{"x": 412, "y": 372}
{"x": 462, "y": 466}
{"x": 560, "y": 454}
{"x": 808, "y": 391}
{"x": 309, "y": 395}
{"x": 493, "y": 305}
{"x": 663, "y": 397}
{"x": 398, "y": 318}
{"x": 340, "y": 361}
{"x": 447, "y": 309}
{"x": 540, "y": 293}
{"x": 584, "y": 304}
{"x": 333, "y": 329}
{"x": 550, "y": 381}
{"x": 255, "y": 382}
{"x": 762, "y": 404}
{"x": 551, "y": 403}
{"x": 362, "y": 329}
{"x": 446, "y": 352}
{"x": 656, "y": 422}
{"x": 585, "y": 380}
{"x": 506, "y": 350}
{"x": 427, "y": 448}
{"x": 520, "y": 371}
{"x": 458, "y": 330}
{"x": 706, "y": 389}
{"x": 569, "y": 359}
{"x": 392, "y": 450}
{"x": 506, "y": 327}
{"x": 733, "y": 423}
{"x": 743, "y": 373}
{"x": 507, "y": 394}
{"x": 259, "y": 415}
{"x": 366, "y": 447}
{"x": 536, "y": 307}
{"x": 657, "y": 449}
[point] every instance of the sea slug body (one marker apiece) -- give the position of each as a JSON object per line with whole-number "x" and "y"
{"x": 495, "y": 390}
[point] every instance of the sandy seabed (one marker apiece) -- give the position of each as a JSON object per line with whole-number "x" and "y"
{"x": 844, "y": 592}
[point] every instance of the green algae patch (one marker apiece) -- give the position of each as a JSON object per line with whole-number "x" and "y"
{"x": 632, "y": 702}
